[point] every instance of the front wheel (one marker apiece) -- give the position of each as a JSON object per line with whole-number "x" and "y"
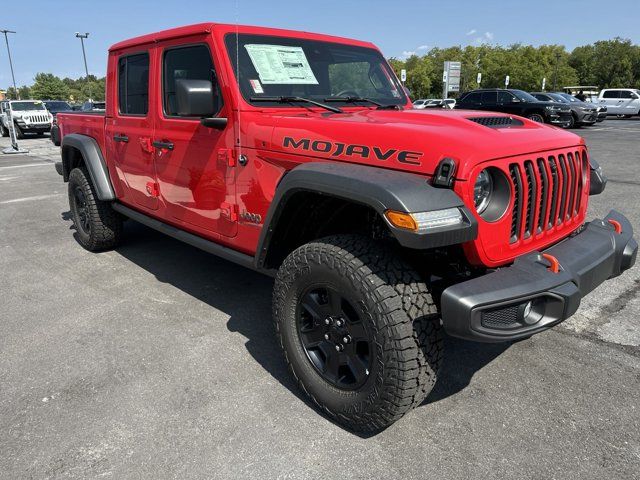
{"x": 4, "y": 131}
{"x": 359, "y": 329}
{"x": 98, "y": 226}
{"x": 536, "y": 117}
{"x": 19, "y": 132}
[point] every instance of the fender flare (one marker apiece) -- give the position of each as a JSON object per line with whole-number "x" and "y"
{"x": 378, "y": 188}
{"x": 94, "y": 161}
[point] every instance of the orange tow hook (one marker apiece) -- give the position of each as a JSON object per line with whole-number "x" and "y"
{"x": 616, "y": 226}
{"x": 555, "y": 264}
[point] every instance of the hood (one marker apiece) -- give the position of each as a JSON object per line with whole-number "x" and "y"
{"x": 410, "y": 140}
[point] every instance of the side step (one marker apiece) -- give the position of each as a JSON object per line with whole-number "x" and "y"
{"x": 193, "y": 240}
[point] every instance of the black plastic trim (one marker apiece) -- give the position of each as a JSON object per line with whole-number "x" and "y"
{"x": 587, "y": 260}
{"x": 193, "y": 240}
{"x": 94, "y": 161}
{"x": 378, "y": 188}
{"x": 597, "y": 179}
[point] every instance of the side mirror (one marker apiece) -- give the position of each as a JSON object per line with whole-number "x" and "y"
{"x": 194, "y": 98}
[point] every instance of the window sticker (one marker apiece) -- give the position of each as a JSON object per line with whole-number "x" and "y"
{"x": 279, "y": 64}
{"x": 255, "y": 84}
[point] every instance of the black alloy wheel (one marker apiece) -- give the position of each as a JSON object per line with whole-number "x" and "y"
{"x": 334, "y": 337}
{"x": 82, "y": 210}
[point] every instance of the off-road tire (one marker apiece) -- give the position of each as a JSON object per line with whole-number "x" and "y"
{"x": 19, "y": 132}
{"x": 398, "y": 308}
{"x": 104, "y": 224}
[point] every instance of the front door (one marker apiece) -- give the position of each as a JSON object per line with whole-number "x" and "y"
{"x": 129, "y": 131}
{"x": 194, "y": 163}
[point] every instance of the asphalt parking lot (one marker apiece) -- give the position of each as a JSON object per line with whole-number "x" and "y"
{"x": 158, "y": 361}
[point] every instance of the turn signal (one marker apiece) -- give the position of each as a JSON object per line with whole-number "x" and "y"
{"x": 401, "y": 220}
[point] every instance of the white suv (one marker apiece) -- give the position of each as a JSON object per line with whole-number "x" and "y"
{"x": 620, "y": 101}
{"x": 29, "y": 116}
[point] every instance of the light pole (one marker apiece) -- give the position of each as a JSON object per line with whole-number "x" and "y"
{"x": 82, "y": 37}
{"x": 13, "y": 77}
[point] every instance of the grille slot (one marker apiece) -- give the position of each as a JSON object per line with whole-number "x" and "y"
{"x": 547, "y": 192}
{"x": 516, "y": 179}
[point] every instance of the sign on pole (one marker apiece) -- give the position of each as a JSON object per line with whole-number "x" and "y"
{"x": 451, "y": 78}
{"x": 544, "y": 83}
{"x": 14, "y": 148}
{"x": 403, "y": 75}
{"x": 506, "y": 81}
{"x": 479, "y": 79}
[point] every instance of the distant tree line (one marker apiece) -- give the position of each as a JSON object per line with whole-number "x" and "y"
{"x": 605, "y": 64}
{"x": 47, "y": 86}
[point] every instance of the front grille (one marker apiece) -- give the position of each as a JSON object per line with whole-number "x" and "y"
{"x": 500, "y": 318}
{"x": 38, "y": 118}
{"x": 497, "y": 122}
{"x": 547, "y": 192}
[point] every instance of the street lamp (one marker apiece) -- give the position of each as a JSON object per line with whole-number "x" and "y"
{"x": 82, "y": 37}
{"x": 13, "y": 77}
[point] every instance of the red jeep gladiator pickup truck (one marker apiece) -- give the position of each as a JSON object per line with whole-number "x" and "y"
{"x": 298, "y": 155}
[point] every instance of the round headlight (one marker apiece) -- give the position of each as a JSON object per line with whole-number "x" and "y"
{"x": 482, "y": 190}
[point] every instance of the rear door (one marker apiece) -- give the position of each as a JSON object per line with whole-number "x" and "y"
{"x": 129, "y": 128}
{"x": 628, "y": 103}
{"x": 611, "y": 99}
{"x": 489, "y": 101}
{"x": 195, "y": 168}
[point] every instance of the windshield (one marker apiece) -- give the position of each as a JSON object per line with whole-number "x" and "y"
{"x": 58, "y": 106}
{"x": 26, "y": 106}
{"x": 558, "y": 97}
{"x": 569, "y": 98}
{"x": 296, "y": 67}
{"x": 524, "y": 96}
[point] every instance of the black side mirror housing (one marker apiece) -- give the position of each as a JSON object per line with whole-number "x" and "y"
{"x": 194, "y": 98}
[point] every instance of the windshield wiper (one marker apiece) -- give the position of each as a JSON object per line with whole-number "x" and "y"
{"x": 361, "y": 99}
{"x": 283, "y": 99}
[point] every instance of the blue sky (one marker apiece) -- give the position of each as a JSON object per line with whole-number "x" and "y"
{"x": 45, "y": 41}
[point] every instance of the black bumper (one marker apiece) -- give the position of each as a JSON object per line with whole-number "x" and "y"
{"x": 527, "y": 297}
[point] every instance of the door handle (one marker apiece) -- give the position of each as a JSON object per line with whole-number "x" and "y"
{"x": 121, "y": 138}
{"x": 163, "y": 145}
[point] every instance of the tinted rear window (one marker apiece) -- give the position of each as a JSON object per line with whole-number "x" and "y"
{"x": 133, "y": 84}
{"x": 611, "y": 94}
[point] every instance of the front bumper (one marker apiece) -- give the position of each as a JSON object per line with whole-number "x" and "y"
{"x": 588, "y": 118}
{"x": 559, "y": 118}
{"x": 34, "y": 127}
{"x": 527, "y": 297}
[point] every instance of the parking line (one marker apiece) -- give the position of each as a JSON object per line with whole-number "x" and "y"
{"x": 31, "y": 199}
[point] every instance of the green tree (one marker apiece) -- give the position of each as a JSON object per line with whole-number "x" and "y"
{"x": 23, "y": 91}
{"x": 48, "y": 86}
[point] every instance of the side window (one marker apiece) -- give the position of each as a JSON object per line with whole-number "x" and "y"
{"x": 611, "y": 94}
{"x": 489, "y": 98}
{"x": 133, "y": 84}
{"x": 625, "y": 94}
{"x": 473, "y": 98}
{"x": 505, "y": 97}
{"x": 192, "y": 63}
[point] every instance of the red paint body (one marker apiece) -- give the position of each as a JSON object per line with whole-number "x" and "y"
{"x": 199, "y": 187}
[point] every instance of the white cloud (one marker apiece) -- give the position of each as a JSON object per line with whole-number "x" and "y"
{"x": 424, "y": 47}
{"x": 488, "y": 35}
{"x": 407, "y": 53}
{"x": 471, "y": 32}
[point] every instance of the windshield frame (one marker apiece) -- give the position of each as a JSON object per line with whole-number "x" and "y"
{"x": 249, "y": 38}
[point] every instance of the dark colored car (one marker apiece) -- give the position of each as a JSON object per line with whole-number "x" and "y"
{"x": 602, "y": 113}
{"x": 516, "y": 102}
{"x": 56, "y": 106}
{"x": 582, "y": 113}
{"x": 91, "y": 106}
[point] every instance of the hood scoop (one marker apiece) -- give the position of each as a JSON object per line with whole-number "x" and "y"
{"x": 497, "y": 122}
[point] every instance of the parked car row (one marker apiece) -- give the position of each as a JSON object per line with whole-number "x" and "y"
{"x": 556, "y": 108}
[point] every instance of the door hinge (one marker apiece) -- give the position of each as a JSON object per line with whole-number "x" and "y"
{"x": 229, "y": 211}
{"x": 226, "y": 155}
{"x": 153, "y": 189}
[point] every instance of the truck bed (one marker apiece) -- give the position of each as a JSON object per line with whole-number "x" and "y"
{"x": 86, "y": 123}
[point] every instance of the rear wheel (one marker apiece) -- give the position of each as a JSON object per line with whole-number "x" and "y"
{"x": 359, "y": 329}
{"x": 4, "y": 131}
{"x": 536, "y": 117}
{"x": 98, "y": 226}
